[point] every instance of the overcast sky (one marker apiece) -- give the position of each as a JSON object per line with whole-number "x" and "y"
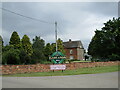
{"x": 76, "y": 21}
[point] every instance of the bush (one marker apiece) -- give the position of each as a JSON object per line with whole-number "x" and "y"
{"x": 25, "y": 58}
{"x": 99, "y": 60}
{"x": 114, "y": 57}
{"x": 46, "y": 62}
{"x": 11, "y": 57}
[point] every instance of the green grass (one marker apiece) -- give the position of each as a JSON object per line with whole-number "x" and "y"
{"x": 81, "y": 61}
{"x": 77, "y": 61}
{"x": 69, "y": 72}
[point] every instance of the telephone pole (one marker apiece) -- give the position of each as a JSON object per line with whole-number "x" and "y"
{"x": 56, "y": 35}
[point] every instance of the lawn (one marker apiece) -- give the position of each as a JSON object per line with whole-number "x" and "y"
{"x": 69, "y": 72}
{"x": 77, "y": 61}
{"x": 81, "y": 61}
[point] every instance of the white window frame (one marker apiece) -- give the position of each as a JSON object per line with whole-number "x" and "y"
{"x": 71, "y": 57}
{"x": 71, "y": 51}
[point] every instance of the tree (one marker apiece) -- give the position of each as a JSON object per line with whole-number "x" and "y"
{"x": 11, "y": 57}
{"x": 7, "y": 48}
{"x": 48, "y": 50}
{"x": 105, "y": 43}
{"x": 1, "y": 41}
{"x": 1, "y": 45}
{"x": 26, "y": 44}
{"x": 60, "y": 46}
{"x": 53, "y": 46}
{"x": 15, "y": 40}
{"x": 24, "y": 57}
{"x": 38, "y": 50}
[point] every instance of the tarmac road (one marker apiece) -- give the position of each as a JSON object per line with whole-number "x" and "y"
{"x": 104, "y": 80}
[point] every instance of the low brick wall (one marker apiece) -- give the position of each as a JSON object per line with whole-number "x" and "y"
{"x": 14, "y": 69}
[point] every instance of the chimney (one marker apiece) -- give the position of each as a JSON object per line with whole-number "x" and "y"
{"x": 70, "y": 40}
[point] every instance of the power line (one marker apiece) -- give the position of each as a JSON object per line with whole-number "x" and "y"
{"x": 26, "y": 16}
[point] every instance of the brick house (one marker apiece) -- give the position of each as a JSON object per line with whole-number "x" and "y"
{"x": 74, "y": 50}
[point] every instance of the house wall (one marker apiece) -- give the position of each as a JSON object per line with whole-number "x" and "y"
{"x": 77, "y": 53}
{"x": 67, "y": 53}
{"x": 80, "y": 54}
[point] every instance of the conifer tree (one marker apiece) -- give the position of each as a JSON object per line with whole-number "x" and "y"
{"x": 15, "y": 40}
{"x": 26, "y": 44}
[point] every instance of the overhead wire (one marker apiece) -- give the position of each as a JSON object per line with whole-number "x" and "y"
{"x": 26, "y": 16}
{"x": 32, "y": 18}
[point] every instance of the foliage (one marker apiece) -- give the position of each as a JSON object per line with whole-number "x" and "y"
{"x": 7, "y": 48}
{"x": 46, "y": 62}
{"x": 11, "y": 57}
{"x": 59, "y": 46}
{"x": 1, "y": 41}
{"x": 14, "y": 56}
{"x": 26, "y": 44}
{"x": 53, "y": 46}
{"x": 24, "y": 57}
{"x": 48, "y": 50}
{"x": 114, "y": 57}
{"x": 105, "y": 43}
{"x": 1, "y": 45}
{"x": 38, "y": 50}
{"x": 15, "y": 40}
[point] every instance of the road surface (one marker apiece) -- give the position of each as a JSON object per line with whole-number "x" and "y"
{"x": 104, "y": 80}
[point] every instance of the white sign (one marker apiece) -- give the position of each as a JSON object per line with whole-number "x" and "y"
{"x": 57, "y": 67}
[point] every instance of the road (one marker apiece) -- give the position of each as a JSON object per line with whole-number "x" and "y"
{"x": 104, "y": 80}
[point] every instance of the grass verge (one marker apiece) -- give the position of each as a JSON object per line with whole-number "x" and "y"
{"x": 93, "y": 70}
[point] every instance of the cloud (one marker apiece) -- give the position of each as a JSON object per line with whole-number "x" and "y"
{"x": 77, "y": 21}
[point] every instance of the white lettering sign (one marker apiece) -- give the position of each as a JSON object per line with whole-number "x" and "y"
{"x": 57, "y": 67}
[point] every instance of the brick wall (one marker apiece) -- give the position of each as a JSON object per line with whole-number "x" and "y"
{"x": 74, "y": 54}
{"x": 14, "y": 69}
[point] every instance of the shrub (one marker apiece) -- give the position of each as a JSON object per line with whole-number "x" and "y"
{"x": 114, "y": 57}
{"x": 11, "y": 57}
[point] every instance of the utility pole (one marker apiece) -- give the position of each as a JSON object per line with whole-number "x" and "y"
{"x": 56, "y": 34}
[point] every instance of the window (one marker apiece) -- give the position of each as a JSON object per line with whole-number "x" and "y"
{"x": 71, "y": 51}
{"x": 80, "y": 46}
{"x": 71, "y": 57}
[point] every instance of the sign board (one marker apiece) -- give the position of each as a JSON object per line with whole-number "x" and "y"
{"x": 57, "y": 57}
{"x": 57, "y": 67}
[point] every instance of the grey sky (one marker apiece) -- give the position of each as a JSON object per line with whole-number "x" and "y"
{"x": 76, "y": 21}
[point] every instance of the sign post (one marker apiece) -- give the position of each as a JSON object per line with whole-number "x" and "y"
{"x": 57, "y": 67}
{"x": 57, "y": 58}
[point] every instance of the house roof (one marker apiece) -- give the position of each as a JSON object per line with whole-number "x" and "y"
{"x": 73, "y": 44}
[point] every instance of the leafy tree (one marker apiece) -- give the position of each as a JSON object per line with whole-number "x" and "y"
{"x": 48, "y": 50}
{"x": 38, "y": 50}
{"x": 24, "y": 57}
{"x": 15, "y": 40}
{"x": 105, "y": 43}
{"x": 1, "y": 45}
{"x": 26, "y": 44}
{"x": 11, "y": 57}
{"x": 60, "y": 46}
{"x": 53, "y": 46}
{"x": 7, "y": 48}
{"x": 1, "y": 41}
